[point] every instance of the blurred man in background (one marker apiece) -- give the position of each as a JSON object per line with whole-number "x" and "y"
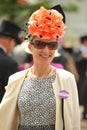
{"x": 9, "y": 37}
{"x": 82, "y": 70}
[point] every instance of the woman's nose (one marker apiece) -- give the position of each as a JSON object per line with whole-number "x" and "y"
{"x": 46, "y": 48}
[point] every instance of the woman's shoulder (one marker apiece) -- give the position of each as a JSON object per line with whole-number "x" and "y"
{"x": 64, "y": 73}
{"x": 18, "y": 75}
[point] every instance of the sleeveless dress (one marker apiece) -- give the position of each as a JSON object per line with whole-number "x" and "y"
{"x": 36, "y": 104}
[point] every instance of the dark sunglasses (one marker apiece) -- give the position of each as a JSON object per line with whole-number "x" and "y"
{"x": 41, "y": 45}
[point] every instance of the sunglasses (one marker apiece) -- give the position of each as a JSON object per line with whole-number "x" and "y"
{"x": 41, "y": 45}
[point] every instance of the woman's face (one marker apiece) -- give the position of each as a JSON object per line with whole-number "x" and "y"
{"x": 43, "y": 54}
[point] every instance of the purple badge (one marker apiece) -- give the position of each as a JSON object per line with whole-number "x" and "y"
{"x": 63, "y": 94}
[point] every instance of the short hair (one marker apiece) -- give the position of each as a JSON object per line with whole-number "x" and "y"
{"x": 83, "y": 39}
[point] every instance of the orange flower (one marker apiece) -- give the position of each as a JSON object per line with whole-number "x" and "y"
{"x": 46, "y": 24}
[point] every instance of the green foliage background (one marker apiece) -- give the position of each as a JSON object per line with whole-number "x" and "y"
{"x": 19, "y": 13}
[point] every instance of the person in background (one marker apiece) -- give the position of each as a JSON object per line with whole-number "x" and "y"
{"x": 82, "y": 70}
{"x": 66, "y": 49}
{"x": 42, "y": 97}
{"x": 28, "y": 59}
{"x": 18, "y": 54}
{"x": 8, "y": 39}
{"x": 83, "y": 46}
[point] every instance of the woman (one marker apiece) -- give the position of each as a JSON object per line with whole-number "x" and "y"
{"x": 41, "y": 97}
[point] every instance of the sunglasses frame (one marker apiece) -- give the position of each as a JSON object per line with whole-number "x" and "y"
{"x": 41, "y": 45}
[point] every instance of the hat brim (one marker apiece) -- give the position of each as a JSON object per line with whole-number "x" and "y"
{"x": 25, "y": 46}
{"x": 57, "y": 54}
{"x": 17, "y": 39}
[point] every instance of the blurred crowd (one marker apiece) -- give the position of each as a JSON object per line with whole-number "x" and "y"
{"x": 14, "y": 57}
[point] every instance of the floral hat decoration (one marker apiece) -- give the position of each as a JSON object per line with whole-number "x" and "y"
{"x": 47, "y": 24}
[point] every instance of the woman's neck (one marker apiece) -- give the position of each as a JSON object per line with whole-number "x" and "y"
{"x": 35, "y": 72}
{"x": 42, "y": 71}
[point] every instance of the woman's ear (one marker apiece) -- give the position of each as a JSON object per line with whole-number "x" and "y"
{"x": 30, "y": 48}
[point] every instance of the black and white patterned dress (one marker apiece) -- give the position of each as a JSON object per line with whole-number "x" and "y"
{"x": 36, "y": 103}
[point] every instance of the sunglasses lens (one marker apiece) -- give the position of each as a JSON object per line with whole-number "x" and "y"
{"x": 53, "y": 45}
{"x": 41, "y": 45}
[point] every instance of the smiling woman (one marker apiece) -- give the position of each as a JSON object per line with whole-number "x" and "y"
{"x": 33, "y": 93}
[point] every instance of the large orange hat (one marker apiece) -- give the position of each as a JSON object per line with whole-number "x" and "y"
{"x": 47, "y": 24}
